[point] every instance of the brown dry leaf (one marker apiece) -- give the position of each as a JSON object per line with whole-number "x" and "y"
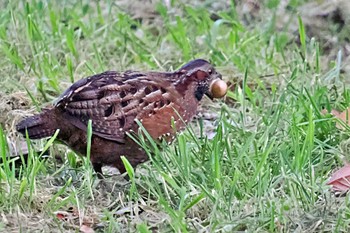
{"x": 340, "y": 180}
{"x": 344, "y": 116}
{"x": 86, "y": 229}
{"x": 71, "y": 214}
{"x": 60, "y": 216}
{"x": 63, "y": 215}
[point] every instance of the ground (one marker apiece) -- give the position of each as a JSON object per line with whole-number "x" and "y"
{"x": 256, "y": 161}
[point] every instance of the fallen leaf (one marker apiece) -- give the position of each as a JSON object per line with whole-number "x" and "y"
{"x": 340, "y": 180}
{"x": 62, "y": 215}
{"x": 343, "y": 116}
{"x": 86, "y": 229}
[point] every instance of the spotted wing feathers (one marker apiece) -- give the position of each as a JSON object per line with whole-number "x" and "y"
{"x": 114, "y": 100}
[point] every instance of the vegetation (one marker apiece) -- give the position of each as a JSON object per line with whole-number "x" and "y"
{"x": 260, "y": 166}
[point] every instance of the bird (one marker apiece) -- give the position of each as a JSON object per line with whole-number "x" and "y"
{"x": 117, "y": 102}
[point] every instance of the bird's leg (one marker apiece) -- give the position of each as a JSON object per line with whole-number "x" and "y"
{"x": 98, "y": 170}
{"x": 120, "y": 166}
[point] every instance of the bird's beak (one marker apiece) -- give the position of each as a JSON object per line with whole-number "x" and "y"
{"x": 209, "y": 95}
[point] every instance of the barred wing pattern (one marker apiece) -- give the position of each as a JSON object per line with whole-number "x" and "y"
{"x": 114, "y": 100}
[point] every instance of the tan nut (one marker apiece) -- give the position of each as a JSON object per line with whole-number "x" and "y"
{"x": 218, "y": 88}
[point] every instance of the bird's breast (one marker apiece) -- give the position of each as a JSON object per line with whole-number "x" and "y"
{"x": 166, "y": 121}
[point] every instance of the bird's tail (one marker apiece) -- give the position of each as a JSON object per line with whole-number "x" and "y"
{"x": 38, "y": 126}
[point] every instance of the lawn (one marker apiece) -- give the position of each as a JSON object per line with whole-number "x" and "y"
{"x": 256, "y": 161}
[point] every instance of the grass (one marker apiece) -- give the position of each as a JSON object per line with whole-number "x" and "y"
{"x": 264, "y": 170}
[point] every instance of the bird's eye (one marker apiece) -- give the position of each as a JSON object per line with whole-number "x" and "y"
{"x": 210, "y": 71}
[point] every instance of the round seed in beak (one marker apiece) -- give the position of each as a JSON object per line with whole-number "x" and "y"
{"x": 218, "y": 88}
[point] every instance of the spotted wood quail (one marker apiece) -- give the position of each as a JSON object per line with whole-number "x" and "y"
{"x": 113, "y": 101}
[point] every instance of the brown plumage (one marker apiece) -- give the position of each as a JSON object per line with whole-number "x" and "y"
{"x": 113, "y": 101}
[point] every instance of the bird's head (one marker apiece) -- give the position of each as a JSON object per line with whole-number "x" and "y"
{"x": 202, "y": 77}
